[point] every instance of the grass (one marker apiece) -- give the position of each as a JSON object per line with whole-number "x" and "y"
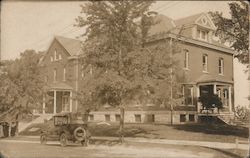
{"x": 196, "y": 132}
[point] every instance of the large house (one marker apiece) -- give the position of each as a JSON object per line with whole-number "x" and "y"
{"x": 206, "y": 64}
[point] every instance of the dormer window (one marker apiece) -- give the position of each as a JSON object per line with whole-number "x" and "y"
{"x": 202, "y": 35}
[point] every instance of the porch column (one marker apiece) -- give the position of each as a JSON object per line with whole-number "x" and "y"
{"x": 54, "y": 101}
{"x": 198, "y": 95}
{"x": 44, "y": 104}
{"x": 230, "y": 98}
{"x": 70, "y": 102}
{"x": 215, "y": 91}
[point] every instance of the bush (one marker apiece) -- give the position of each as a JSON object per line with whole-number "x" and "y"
{"x": 209, "y": 101}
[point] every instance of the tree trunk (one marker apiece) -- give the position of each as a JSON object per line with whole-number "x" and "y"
{"x": 121, "y": 130}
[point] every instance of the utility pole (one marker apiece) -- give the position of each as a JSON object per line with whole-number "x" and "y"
{"x": 171, "y": 81}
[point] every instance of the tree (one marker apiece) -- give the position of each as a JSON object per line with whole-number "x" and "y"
{"x": 22, "y": 83}
{"x": 235, "y": 29}
{"x": 114, "y": 60}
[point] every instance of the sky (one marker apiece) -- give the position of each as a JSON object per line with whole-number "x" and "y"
{"x": 32, "y": 25}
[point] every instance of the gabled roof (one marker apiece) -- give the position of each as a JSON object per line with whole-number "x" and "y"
{"x": 72, "y": 46}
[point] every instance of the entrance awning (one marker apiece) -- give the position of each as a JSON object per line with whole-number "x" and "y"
{"x": 207, "y": 78}
{"x": 58, "y": 86}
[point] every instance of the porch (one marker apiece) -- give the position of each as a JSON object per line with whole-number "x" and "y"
{"x": 56, "y": 101}
{"x": 224, "y": 92}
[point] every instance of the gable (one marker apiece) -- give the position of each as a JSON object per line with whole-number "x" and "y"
{"x": 205, "y": 21}
{"x": 60, "y": 54}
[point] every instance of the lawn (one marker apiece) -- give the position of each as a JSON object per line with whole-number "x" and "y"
{"x": 196, "y": 132}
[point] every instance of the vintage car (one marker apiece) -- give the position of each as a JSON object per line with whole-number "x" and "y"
{"x": 66, "y": 127}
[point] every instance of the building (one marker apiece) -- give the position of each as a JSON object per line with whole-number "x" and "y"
{"x": 207, "y": 66}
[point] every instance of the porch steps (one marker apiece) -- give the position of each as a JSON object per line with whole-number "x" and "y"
{"x": 226, "y": 118}
{"x": 23, "y": 125}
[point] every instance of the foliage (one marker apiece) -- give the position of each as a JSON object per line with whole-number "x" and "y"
{"x": 112, "y": 32}
{"x": 22, "y": 84}
{"x": 209, "y": 101}
{"x": 242, "y": 113}
{"x": 115, "y": 63}
{"x": 235, "y": 29}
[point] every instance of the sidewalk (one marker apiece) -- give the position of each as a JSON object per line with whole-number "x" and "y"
{"x": 219, "y": 145}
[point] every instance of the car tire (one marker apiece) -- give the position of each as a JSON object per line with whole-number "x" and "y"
{"x": 63, "y": 140}
{"x": 43, "y": 139}
{"x": 83, "y": 131}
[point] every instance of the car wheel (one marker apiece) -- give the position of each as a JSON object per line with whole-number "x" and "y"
{"x": 43, "y": 139}
{"x": 63, "y": 140}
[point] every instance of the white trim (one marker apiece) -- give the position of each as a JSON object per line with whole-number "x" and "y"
{"x": 209, "y": 21}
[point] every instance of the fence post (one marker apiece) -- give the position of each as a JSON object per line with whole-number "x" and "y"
{"x": 236, "y": 143}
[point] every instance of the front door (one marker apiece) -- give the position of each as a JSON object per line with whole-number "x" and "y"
{"x": 65, "y": 102}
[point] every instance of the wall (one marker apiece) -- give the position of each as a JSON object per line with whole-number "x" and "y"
{"x": 195, "y": 62}
{"x": 160, "y": 117}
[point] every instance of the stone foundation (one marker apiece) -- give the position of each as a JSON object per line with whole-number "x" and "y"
{"x": 156, "y": 117}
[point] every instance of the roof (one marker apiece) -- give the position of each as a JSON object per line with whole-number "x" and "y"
{"x": 188, "y": 20}
{"x": 212, "y": 78}
{"x": 162, "y": 24}
{"x": 168, "y": 25}
{"x": 72, "y": 46}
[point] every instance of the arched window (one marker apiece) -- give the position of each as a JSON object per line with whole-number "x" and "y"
{"x": 186, "y": 59}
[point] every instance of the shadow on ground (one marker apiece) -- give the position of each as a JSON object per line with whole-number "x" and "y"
{"x": 215, "y": 129}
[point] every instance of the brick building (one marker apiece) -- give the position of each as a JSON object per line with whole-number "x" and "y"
{"x": 206, "y": 64}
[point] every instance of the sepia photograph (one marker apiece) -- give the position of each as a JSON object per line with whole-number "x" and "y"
{"x": 124, "y": 79}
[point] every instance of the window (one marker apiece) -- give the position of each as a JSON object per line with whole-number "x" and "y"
{"x": 91, "y": 117}
{"x": 107, "y": 118}
{"x": 204, "y": 62}
{"x": 188, "y": 95}
{"x": 117, "y": 117}
{"x": 55, "y": 75}
{"x": 150, "y": 118}
{"x": 186, "y": 59}
{"x": 60, "y": 57}
{"x": 82, "y": 71}
{"x": 221, "y": 66}
{"x": 191, "y": 117}
{"x": 137, "y": 118}
{"x": 51, "y": 58}
{"x": 64, "y": 74}
{"x": 182, "y": 118}
{"x": 55, "y": 55}
{"x": 202, "y": 35}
